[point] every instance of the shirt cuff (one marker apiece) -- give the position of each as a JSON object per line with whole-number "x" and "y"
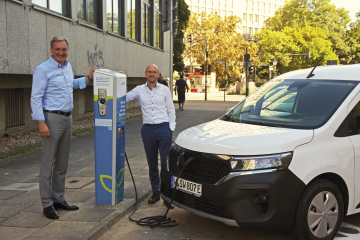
{"x": 172, "y": 126}
{"x": 82, "y": 83}
{"x": 38, "y": 116}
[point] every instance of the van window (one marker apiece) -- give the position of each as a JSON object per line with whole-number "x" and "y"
{"x": 292, "y": 103}
{"x": 351, "y": 125}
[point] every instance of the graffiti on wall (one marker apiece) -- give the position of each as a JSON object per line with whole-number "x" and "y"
{"x": 3, "y": 63}
{"x": 95, "y": 57}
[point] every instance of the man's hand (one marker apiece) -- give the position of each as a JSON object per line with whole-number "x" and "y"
{"x": 122, "y": 72}
{"x": 91, "y": 73}
{"x": 43, "y": 129}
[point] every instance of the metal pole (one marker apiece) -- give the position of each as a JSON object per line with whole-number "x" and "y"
{"x": 225, "y": 76}
{"x": 171, "y": 49}
{"x": 247, "y": 78}
{"x": 269, "y": 72}
{"x": 206, "y": 67}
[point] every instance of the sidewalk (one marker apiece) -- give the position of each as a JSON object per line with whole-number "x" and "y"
{"x": 20, "y": 208}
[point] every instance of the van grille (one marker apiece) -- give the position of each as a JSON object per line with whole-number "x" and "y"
{"x": 204, "y": 169}
{"x": 200, "y": 204}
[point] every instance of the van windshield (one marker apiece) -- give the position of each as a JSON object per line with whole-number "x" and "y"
{"x": 301, "y": 104}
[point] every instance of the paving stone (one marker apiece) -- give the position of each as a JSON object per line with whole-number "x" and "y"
{"x": 80, "y": 196}
{"x": 2, "y": 219}
{"x": 7, "y": 194}
{"x": 87, "y": 215}
{"x": 7, "y": 211}
{"x": 78, "y": 182}
{"x": 27, "y": 220}
{"x": 21, "y": 186}
{"x": 11, "y": 233}
{"x": 67, "y": 230}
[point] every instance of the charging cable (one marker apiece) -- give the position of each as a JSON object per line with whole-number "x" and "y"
{"x": 156, "y": 221}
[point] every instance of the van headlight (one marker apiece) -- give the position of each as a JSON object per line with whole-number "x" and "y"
{"x": 277, "y": 161}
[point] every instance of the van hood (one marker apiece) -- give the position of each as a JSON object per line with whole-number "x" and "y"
{"x": 230, "y": 138}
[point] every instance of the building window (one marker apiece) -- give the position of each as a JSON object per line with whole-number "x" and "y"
{"x": 273, "y": 7}
{"x": 190, "y": 8}
{"x": 223, "y": 4}
{"x": 210, "y": 10}
{"x": 262, "y": 7}
{"x": 223, "y": 13}
{"x": 14, "y": 107}
{"x": 230, "y": 13}
{"x": 250, "y": 30}
{"x": 252, "y": 6}
{"x": 59, "y": 6}
{"x": 251, "y": 18}
{"x": 146, "y": 22}
{"x": 257, "y": 20}
{"x": 268, "y": 8}
{"x": 89, "y": 11}
{"x": 256, "y": 30}
{"x": 132, "y": 19}
{"x": 217, "y": 3}
{"x": 196, "y": 9}
{"x": 244, "y": 30}
{"x": 202, "y": 2}
{"x": 245, "y": 18}
{"x": 203, "y": 9}
{"x": 262, "y": 20}
{"x": 114, "y": 16}
{"x": 158, "y": 25}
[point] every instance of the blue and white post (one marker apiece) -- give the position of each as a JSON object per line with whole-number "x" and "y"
{"x": 110, "y": 117}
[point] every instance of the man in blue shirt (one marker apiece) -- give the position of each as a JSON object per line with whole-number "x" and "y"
{"x": 51, "y": 104}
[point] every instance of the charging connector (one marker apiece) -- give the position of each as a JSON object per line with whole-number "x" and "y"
{"x": 157, "y": 221}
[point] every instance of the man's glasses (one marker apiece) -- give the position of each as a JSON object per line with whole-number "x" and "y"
{"x": 150, "y": 72}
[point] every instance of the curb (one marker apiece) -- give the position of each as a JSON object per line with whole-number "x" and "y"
{"x": 108, "y": 222}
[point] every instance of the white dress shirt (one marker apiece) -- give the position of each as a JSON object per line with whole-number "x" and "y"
{"x": 156, "y": 104}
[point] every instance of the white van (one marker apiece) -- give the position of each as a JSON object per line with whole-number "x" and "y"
{"x": 286, "y": 157}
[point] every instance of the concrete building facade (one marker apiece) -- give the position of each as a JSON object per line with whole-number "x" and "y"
{"x": 112, "y": 34}
{"x": 253, "y": 13}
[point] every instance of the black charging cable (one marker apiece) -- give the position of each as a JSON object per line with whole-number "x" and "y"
{"x": 156, "y": 221}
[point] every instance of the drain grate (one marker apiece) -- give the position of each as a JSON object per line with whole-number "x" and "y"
{"x": 74, "y": 181}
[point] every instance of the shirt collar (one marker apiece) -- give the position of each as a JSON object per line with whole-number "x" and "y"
{"x": 55, "y": 63}
{"x": 149, "y": 87}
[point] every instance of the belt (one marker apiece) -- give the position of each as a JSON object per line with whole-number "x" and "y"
{"x": 59, "y": 112}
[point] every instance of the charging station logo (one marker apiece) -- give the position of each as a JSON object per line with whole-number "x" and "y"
{"x": 116, "y": 184}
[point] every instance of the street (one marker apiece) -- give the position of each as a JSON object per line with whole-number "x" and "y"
{"x": 193, "y": 227}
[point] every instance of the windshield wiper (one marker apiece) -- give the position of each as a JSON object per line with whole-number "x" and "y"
{"x": 264, "y": 124}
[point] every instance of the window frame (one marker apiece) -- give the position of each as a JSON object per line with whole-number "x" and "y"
{"x": 47, "y": 8}
{"x": 121, "y": 17}
{"x": 137, "y": 18}
{"x": 100, "y": 14}
{"x": 161, "y": 37}
{"x": 149, "y": 7}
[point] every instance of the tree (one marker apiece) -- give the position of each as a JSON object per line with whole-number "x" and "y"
{"x": 295, "y": 40}
{"x": 179, "y": 46}
{"x": 225, "y": 42}
{"x": 354, "y": 38}
{"x": 315, "y": 13}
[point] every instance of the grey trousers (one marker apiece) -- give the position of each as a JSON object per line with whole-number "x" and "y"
{"x": 54, "y": 158}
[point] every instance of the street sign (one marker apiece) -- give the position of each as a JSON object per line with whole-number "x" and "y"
{"x": 220, "y": 61}
{"x": 271, "y": 68}
{"x": 228, "y": 65}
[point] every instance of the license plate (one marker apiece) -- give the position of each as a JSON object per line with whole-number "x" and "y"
{"x": 187, "y": 186}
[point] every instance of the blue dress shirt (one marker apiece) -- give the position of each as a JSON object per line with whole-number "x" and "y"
{"x": 52, "y": 88}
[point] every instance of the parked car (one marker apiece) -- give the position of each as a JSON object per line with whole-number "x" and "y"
{"x": 286, "y": 157}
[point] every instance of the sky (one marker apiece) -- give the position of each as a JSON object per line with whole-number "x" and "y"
{"x": 351, "y": 5}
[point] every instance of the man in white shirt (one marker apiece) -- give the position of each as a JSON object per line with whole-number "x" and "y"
{"x": 159, "y": 122}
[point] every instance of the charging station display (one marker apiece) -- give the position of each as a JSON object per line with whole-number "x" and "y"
{"x": 110, "y": 117}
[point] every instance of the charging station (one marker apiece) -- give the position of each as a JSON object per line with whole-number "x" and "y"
{"x": 110, "y": 117}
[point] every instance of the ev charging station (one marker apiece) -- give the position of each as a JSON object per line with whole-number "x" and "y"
{"x": 110, "y": 117}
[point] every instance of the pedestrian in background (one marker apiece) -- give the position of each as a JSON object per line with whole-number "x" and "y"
{"x": 180, "y": 87}
{"x": 162, "y": 81}
{"x": 51, "y": 104}
{"x": 159, "y": 122}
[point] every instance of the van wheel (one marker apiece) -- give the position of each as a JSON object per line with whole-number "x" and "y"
{"x": 320, "y": 212}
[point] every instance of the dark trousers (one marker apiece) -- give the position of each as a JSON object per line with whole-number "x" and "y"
{"x": 156, "y": 137}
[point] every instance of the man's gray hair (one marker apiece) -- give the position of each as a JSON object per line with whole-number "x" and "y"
{"x": 57, "y": 39}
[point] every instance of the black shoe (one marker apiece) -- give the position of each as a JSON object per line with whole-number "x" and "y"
{"x": 168, "y": 205}
{"x": 50, "y": 212}
{"x": 64, "y": 205}
{"x": 154, "y": 198}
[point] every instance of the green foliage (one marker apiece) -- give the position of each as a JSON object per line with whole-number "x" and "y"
{"x": 319, "y": 14}
{"x": 179, "y": 46}
{"x": 354, "y": 38}
{"x": 225, "y": 42}
{"x": 295, "y": 40}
